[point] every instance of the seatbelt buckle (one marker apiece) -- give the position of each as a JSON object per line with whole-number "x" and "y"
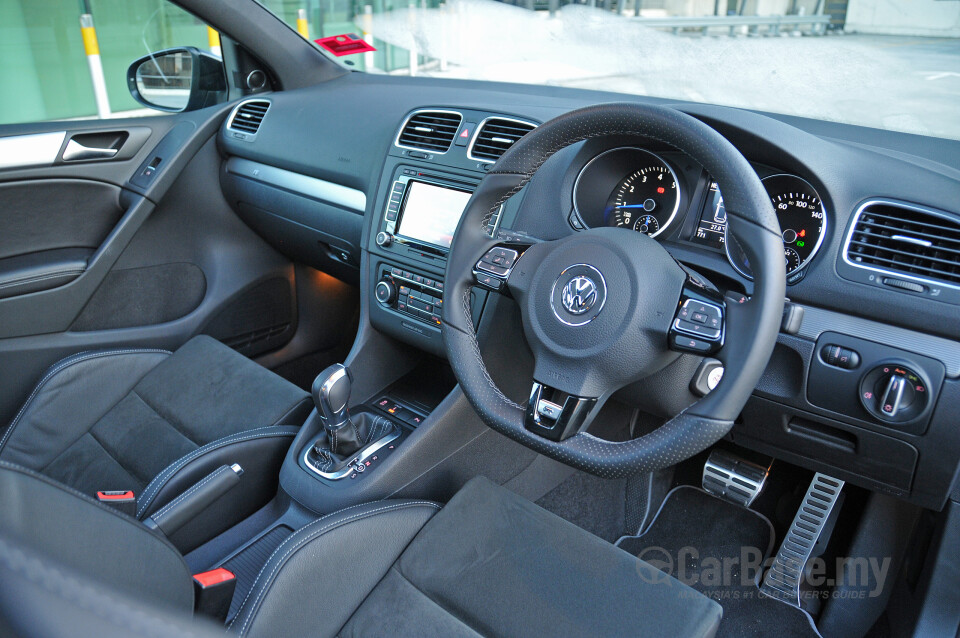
{"x": 121, "y": 500}
{"x": 213, "y": 592}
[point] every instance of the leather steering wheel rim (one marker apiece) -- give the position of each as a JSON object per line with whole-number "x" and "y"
{"x": 752, "y": 324}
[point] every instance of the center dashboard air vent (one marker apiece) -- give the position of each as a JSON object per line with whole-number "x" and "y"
{"x": 917, "y": 246}
{"x": 430, "y": 130}
{"x": 248, "y": 116}
{"x": 495, "y": 136}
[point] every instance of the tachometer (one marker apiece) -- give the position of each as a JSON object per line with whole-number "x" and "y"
{"x": 802, "y": 224}
{"x": 645, "y": 200}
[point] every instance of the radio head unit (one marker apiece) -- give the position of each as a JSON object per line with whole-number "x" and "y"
{"x": 423, "y": 211}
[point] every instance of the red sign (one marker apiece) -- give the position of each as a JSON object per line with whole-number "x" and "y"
{"x": 347, "y": 44}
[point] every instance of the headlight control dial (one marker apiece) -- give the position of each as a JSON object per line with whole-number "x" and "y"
{"x": 895, "y": 393}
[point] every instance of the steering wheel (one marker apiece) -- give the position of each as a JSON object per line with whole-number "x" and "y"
{"x": 604, "y": 308}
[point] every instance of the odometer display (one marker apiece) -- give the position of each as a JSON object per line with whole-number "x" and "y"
{"x": 802, "y": 224}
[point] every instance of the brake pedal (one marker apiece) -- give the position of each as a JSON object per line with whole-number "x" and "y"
{"x": 783, "y": 578}
{"x": 733, "y": 479}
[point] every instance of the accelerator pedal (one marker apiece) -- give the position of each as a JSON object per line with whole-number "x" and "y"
{"x": 732, "y": 478}
{"x": 783, "y": 578}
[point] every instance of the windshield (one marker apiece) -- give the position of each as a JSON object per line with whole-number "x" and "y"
{"x": 889, "y": 64}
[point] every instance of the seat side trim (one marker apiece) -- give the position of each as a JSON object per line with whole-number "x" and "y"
{"x": 62, "y": 365}
{"x": 300, "y": 538}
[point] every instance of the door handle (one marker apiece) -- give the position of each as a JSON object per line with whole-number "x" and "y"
{"x": 75, "y": 151}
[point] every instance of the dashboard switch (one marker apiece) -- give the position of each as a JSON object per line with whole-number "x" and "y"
{"x": 892, "y": 392}
{"x": 840, "y": 357}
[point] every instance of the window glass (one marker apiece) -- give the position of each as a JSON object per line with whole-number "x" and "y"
{"x": 45, "y": 61}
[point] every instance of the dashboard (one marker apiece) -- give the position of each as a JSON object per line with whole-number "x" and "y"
{"x": 868, "y": 217}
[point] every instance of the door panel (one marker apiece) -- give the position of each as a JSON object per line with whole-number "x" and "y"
{"x": 159, "y": 256}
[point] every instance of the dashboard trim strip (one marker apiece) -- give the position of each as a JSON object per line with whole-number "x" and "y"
{"x": 319, "y": 189}
{"x": 816, "y": 321}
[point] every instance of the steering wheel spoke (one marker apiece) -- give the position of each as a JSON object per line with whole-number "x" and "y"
{"x": 557, "y": 415}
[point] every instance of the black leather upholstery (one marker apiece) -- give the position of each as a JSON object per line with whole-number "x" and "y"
{"x": 155, "y": 422}
{"x": 75, "y": 532}
{"x": 489, "y": 563}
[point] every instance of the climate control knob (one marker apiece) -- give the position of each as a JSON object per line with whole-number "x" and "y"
{"x": 892, "y": 392}
{"x": 384, "y": 239}
{"x": 385, "y": 292}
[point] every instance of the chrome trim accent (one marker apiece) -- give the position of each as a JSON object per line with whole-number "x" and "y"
{"x": 844, "y": 253}
{"x": 576, "y": 184}
{"x": 37, "y": 149}
{"x": 553, "y": 290}
{"x": 328, "y": 385}
{"x": 319, "y": 189}
{"x": 364, "y": 454}
{"x": 913, "y": 240}
{"x": 480, "y": 126}
{"x": 396, "y": 140}
{"x": 75, "y": 152}
{"x": 817, "y": 321}
{"x": 816, "y": 249}
{"x": 233, "y": 115}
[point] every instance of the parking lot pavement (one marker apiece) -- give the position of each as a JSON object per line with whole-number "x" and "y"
{"x": 903, "y": 83}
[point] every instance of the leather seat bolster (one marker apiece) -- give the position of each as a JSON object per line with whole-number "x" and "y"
{"x": 89, "y": 384}
{"x": 320, "y": 575}
{"x": 74, "y": 531}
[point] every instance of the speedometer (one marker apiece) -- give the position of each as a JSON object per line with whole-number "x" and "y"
{"x": 802, "y": 221}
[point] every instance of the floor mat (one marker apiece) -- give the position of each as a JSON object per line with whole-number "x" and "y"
{"x": 718, "y": 549}
{"x": 247, "y": 564}
{"x": 594, "y": 504}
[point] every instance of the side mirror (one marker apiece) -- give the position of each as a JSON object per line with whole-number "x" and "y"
{"x": 175, "y": 80}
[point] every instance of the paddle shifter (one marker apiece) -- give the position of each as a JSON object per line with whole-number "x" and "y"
{"x": 345, "y": 440}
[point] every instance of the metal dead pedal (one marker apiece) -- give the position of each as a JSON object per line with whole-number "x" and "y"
{"x": 732, "y": 478}
{"x": 783, "y": 578}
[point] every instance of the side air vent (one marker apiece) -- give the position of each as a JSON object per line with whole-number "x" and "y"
{"x": 907, "y": 240}
{"x": 495, "y": 136}
{"x": 430, "y": 130}
{"x": 248, "y": 116}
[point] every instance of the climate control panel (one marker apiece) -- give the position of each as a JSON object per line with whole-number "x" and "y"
{"x": 410, "y": 293}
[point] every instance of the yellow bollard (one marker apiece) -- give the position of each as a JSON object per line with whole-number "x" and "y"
{"x": 92, "y": 48}
{"x": 302, "y": 27}
{"x": 213, "y": 41}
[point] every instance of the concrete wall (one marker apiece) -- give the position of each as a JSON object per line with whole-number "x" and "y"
{"x": 905, "y": 17}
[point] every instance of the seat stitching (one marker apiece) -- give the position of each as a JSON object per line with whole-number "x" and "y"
{"x": 311, "y": 536}
{"x": 166, "y": 508}
{"x": 176, "y": 466}
{"x": 63, "y": 364}
{"x": 133, "y": 475}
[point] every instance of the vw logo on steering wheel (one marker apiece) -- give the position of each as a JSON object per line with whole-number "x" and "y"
{"x": 578, "y": 294}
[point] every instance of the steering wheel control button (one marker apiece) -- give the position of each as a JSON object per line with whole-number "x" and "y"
{"x": 698, "y": 326}
{"x": 892, "y": 392}
{"x": 494, "y": 267}
{"x": 578, "y": 295}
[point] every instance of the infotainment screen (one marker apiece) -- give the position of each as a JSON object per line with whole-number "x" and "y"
{"x": 431, "y": 213}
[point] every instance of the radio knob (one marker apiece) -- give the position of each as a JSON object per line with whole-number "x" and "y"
{"x": 385, "y": 292}
{"x": 384, "y": 239}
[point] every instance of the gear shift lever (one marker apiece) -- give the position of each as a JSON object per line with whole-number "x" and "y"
{"x": 343, "y": 436}
{"x": 331, "y": 394}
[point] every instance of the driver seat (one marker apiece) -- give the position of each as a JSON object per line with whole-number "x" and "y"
{"x": 488, "y": 563}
